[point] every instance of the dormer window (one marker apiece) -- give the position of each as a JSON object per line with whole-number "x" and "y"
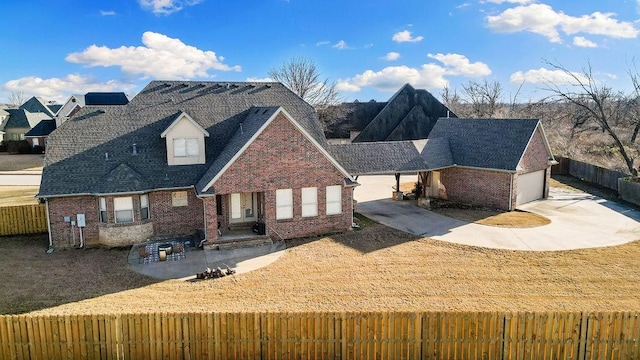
{"x": 185, "y": 147}
{"x": 185, "y": 141}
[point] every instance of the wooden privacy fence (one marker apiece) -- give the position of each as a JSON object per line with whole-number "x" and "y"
{"x": 23, "y": 219}
{"x": 377, "y": 335}
{"x": 587, "y": 172}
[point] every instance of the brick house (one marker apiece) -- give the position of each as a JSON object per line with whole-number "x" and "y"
{"x": 499, "y": 163}
{"x": 184, "y": 156}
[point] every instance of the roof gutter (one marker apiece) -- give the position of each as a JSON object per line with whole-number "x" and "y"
{"x": 40, "y": 196}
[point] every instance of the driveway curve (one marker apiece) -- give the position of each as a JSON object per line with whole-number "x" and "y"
{"x": 578, "y": 220}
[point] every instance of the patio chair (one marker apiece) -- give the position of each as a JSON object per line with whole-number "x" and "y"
{"x": 143, "y": 253}
{"x": 178, "y": 249}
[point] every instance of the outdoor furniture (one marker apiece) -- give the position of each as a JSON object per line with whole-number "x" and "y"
{"x": 166, "y": 248}
{"x": 178, "y": 248}
{"x": 143, "y": 253}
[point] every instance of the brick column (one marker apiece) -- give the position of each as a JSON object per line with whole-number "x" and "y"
{"x": 210, "y": 219}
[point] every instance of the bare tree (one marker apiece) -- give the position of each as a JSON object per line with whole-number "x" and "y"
{"x": 595, "y": 103}
{"x": 17, "y": 98}
{"x": 302, "y": 77}
{"x": 635, "y": 102}
{"x": 484, "y": 98}
{"x": 451, "y": 100}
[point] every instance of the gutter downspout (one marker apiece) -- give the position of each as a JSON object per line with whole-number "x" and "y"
{"x": 50, "y": 249}
{"x": 511, "y": 192}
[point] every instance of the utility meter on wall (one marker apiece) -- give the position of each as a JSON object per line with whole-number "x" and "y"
{"x": 80, "y": 219}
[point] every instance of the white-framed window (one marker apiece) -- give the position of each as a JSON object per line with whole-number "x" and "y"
{"x": 123, "y": 209}
{"x": 334, "y": 199}
{"x": 36, "y": 142}
{"x": 284, "y": 204}
{"x": 185, "y": 147}
{"x": 103, "y": 210}
{"x": 179, "y": 198}
{"x": 309, "y": 201}
{"x": 144, "y": 207}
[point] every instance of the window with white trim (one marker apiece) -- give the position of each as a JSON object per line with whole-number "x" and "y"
{"x": 123, "y": 209}
{"x": 334, "y": 199}
{"x": 284, "y": 204}
{"x": 179, "y": 198}
{"x": 309, "y": 201}
{"x": 103, "y": 210}
{"x": 144, "y": 207}
{"x": 185, "y": 147}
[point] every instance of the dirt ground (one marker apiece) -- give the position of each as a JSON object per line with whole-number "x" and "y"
{"x": 19, "y": 162}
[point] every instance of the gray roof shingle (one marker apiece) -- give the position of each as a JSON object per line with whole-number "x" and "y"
{"x": 43, "y": 128}
{"x": 486, "y": 143}
{"x": 75, "y": 161}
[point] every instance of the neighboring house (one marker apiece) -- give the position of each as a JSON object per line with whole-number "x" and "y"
{"x": 77, "y": 102}
{"x": 37, "y": 136}
{"x": 20, "y": 121}
{"x": 183, "y": 156}
{"x": 410, "y": 114}
{"x": 4, "y": 116}
{"x": 500, "y": 163}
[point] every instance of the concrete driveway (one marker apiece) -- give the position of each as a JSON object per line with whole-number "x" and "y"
{"x": 578, "y": 220}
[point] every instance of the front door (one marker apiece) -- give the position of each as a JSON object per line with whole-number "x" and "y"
{"x": 243, "y": 207}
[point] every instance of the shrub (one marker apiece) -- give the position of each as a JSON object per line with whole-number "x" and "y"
{"x": 3, "y": 147}
{"x": 37, "y": 149}
{"x": 18, "y": 147}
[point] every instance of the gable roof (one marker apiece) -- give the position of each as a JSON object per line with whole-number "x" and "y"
{"x": 256, "y": 121}
{"x": 410, "y": 114}
{"x": 339, "y": 120}
{"x": 44, "y": 128}
{"x": 37, "y": 105}
{"x": 72, "y": 167}
{"x": 21, "y": 118}
{"x": 177, "y": 119}
{"x": 486, "y": 143}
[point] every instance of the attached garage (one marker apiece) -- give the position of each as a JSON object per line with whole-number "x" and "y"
{"x": 530, "y": 187}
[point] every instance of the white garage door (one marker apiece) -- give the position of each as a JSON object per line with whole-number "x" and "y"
{"x": 530, "y": 187}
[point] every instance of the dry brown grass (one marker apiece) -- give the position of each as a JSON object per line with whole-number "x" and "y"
{"x": 17, "y": 162}
{"x": 18, "y": 195}
{"x": 510, "y": 219}
{"x": 377, "y": 268}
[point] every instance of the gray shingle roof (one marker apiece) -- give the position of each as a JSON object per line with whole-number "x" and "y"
{"x": 44, "y": 128}
{"x": 21, "y": 118}
{"x": 105, "y": 98}
{"x": 75, "y": 160}
{"x": 388, "y": 157}
{"x": 37, "y": 105}
{"x": 486, "y": 143}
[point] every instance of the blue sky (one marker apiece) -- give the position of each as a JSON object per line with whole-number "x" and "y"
{"x": 57, "y": 48}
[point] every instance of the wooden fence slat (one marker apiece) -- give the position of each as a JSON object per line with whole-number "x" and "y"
{"x": 23, "y": 219}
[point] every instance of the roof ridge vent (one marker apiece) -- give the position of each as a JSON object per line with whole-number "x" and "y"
{"x": 134, "y": 149}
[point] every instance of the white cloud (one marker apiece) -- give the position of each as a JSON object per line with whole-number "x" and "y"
{"x": 523, "y": 2}
{"x": 107, "y": 13}
{"x": 542, "y": 75}
{"x": 457, "y": 64}
{"x": 340, "y": 45}
{"x": 544, "y": 20}
{"x": 166, "y": 7}
{"x": 60, "y": 89}
{"x": 322, "y": 43}
{"x": 583, "y": 42}
{"x": 430, "y": 76}
{"x": 264, "y": 79}
{"x": 391, "y": 56}
{"x": 405, "y": 36}
{"x": 162, "y": 57}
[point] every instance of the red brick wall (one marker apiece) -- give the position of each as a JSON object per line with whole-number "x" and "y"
{"x": 477, "y": 187}
{"x": 536, "y": 156}
{"x": 166, "y": 219}
{"x": 61, "y": 232}
{"x": 281, "y": 157}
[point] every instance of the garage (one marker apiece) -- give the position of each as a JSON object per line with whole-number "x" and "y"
{"x": 530, "y": 187}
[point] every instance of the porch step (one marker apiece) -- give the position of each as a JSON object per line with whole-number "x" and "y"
{"x": 241, "y": 226}
{"x": 240, "y": 243}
